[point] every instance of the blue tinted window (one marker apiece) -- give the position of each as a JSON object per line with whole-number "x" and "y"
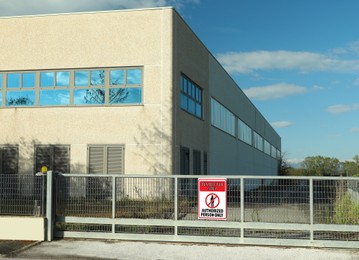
{"x": 89, "y": 96}
{"x": 54, "y": 97}
{"x": 125, "y": 96}
{"x": 117, "y": 77}
{"x": 0, "y": 81}
{"x": 28, "y": 80}
{"x": 97, "y": 77}
{"x": 0, "y": 98}
{"x": 191, "y": 97}
{"x": 46, "y": 79}
{"x": 62, "y": 79}
{"x": 134, "y": 76}
{"x": 81, "y": 78}
{"x": 184, "y": 101}
{"x": 13, "y": 80}
{"x": 20, "y": 98}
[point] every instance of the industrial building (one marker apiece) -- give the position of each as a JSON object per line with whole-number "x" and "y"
{"x": 123, "y": 92}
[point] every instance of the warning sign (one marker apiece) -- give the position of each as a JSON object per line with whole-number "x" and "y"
{"x": 212, "y": 199}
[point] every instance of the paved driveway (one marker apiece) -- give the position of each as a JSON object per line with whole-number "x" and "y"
{"x": 133, "y": 250}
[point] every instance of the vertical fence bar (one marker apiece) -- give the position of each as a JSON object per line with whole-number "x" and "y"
{"x": 113, "y": 201}
{"x": 176, "y": 204}
{"x": 49, "y": 207}
{"x": 242, "y": 208}
{"x": 311, "y": 209}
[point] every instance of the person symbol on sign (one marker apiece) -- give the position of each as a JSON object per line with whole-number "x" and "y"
{"x": 212, "y": 201}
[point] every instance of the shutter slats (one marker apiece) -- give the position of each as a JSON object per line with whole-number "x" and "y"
{"x": 9, "y": 160}
{"x": 61, "y": 159}
{"x": 96, "y": 157}
{"x": 115, "y": 160}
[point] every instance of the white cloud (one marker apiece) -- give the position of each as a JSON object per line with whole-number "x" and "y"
{"x": 27, "y": 7}
{"x": 341, "y": 108}
{"x": 281, "y": 124}
{"x": 249, "y": 62}
{"x": 355, "y": 130}
{"x": 275, "y": 91}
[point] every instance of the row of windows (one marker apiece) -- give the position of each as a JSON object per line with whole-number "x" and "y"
{"x": 71, "y": 87}
{"x": 225, "y": 120}
{"x": 191, "y": 97}
{"x": 102, "y": 159}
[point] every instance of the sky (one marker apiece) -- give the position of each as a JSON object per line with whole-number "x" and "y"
{"x": 297, "y": 61}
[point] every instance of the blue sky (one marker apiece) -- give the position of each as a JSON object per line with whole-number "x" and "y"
{"x": 298, "y": 61}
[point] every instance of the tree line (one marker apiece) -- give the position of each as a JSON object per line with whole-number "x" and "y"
{"x": 321, "y": 166}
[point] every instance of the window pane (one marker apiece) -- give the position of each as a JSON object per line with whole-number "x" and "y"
{"x": 89, "y": 96}
{"x": 0, "y": 81}
{"x": 20, "y": 98}
{"x": 46, "y": 79}
{"x": 13, "y": 80}
{"x": 198, "y": 110}
{"x": 81, "y": 78}
{"x": 125, "y": 95}
{"x": 117, "y": 77}
{"x": 185, "y": 85}
{"x": 63, "y": 79}
{"x": 191, "y": 106}
{"x": 134, "y": 76}
{"x": 54, "y": 97}
{"x": 97, "y": 77}
{"x": 0, "y": 98}
{"x": 184, "y": 101}
{"x": 28, "y": 80}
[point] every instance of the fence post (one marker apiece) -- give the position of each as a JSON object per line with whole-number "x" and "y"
{"x": 242, "y": 207}
{"x": 311, "y": 209}
{"x": 49, "y": 207}
{"x": 113, "y": 203}
{"x": 176, "y": 204}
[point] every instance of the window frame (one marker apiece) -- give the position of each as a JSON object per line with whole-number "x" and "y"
{"x": 16, "y": 160}
{"x": 53, "y": 157}
{"x": 195, "y": 97}
{"x": 40, "y": 95}
{"x": 105, "y": 158}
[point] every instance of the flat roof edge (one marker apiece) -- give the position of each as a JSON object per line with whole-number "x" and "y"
{"x": 87, "y": 12}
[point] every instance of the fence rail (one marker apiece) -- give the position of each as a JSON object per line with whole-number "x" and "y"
{"x": 22, "y": 195}
{"x": 311, "y": 211}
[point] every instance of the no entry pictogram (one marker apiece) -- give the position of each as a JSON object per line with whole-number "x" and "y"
{"x": 212, "y": 199}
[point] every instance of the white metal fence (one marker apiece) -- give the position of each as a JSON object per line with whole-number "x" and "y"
{"x": 309, "y": 211}
{"x": 22, "y": 195}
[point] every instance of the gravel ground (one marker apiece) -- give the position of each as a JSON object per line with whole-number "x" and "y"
{"x": 133, "y": 250}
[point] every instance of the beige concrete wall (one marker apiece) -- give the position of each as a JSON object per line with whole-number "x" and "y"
{"x": 22, "y": 228}
{"x": 94, "y": 40}
{"x": 191, "y": 59}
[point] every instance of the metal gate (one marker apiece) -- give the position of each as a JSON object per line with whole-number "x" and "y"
{"x": 296, "y": 211}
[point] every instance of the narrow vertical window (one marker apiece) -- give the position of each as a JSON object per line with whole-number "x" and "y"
{"x": 191, "y": 97}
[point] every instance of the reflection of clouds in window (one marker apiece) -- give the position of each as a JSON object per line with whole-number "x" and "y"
{"x": 0, "y": 81}
{"x": 0, "y": 98}
{"x": 117, "y": 77}
{"x": 13, "y": 80}
{"x": 81, "y": 78}
{"x": 62, "y": 79}
{"x": 134, "y": 76}
{"x": 46, "y": 79}
{"x": 89, "y": 96}
{"x": 97, "y": 77}
{"x": 28, "y": 80}
{"x": 20, "y": 98}
{"x": 54, "y": 97}
{"x": 125, "y": 96}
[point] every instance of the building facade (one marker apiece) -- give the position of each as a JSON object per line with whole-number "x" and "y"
{"x": 123, "y": 92}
